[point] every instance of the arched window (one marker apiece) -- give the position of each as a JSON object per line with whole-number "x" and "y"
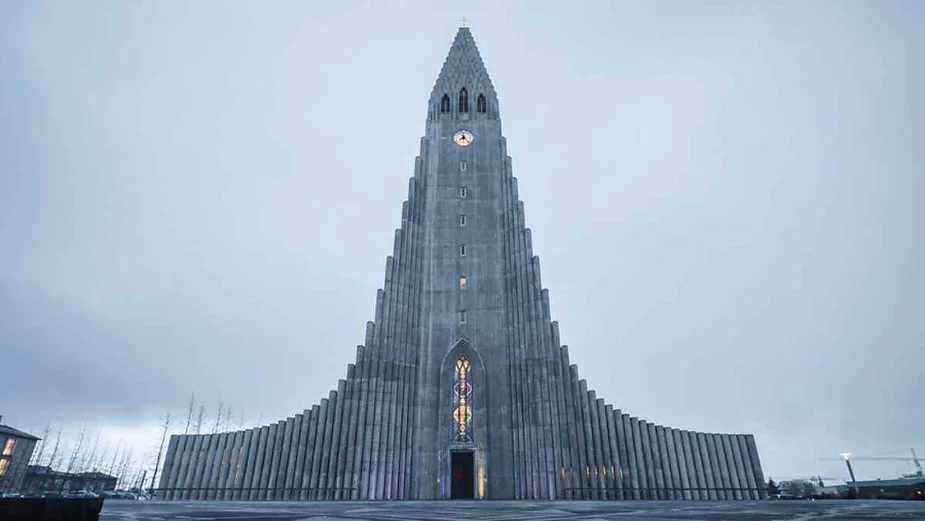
{"x": 462, "y": 401}
{"x": 464, "y": 100}
{"x": 480, "y": 105}
{"x": 445, "y": 104}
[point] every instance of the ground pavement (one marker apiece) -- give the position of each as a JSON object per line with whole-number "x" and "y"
{"x": 127, "y": 510}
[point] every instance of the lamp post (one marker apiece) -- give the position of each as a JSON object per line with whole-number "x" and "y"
{"x": 854, "y": 483}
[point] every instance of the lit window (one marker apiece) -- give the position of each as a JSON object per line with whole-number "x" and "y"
{"x": 462, "y": 220}
{"x": 8, "y": 446}
{"x": 462, "y": 250}
{"x": 462, "y": 166}
{"x": 462, "y": 401}
{"x": 462, "y": 316}
{"x": 462, "y": 282}
{"x": 3, "y": 465}
{"x": 463, "y": 192}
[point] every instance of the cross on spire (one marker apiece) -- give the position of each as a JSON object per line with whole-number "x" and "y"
{"x": 463, "y": 23}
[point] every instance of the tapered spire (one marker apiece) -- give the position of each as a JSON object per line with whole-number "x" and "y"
{"x": 463, "y": 67}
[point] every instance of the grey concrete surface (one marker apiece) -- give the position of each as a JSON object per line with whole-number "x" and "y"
{"x": 125, "y": 510}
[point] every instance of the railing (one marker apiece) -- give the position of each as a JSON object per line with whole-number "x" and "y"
{"x": 648, "y": 492}
{"x": 254, "y": 493}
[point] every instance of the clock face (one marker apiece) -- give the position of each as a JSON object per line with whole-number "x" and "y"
{"x": 463, "y": 138}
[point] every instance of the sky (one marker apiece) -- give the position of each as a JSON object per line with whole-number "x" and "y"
{"x": 198, "y": 197}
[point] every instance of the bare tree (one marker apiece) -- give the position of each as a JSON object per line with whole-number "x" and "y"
{"x": 123, "y": 467}
{"x": 218, "y": 419}
{"x": 160, "y": 450}
{"x": 54, "y": 450}
{"x": 189, "y": 412}
{"x": 229, "y": 416}
{"x": 37, "y": 455}
{"x": 241, "y": 420}
{"x": 86, "y": 463}
{"x": 200, "y": 418}
{"x": 115, "y": 456}
{"x": 77, "y": 450}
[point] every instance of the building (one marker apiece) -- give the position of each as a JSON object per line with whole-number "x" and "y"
{"x": 462, "y": 388}
{"x": 912, "y": 487}
{"x": 16, "y": 449}
{"x": 42, "y": 480}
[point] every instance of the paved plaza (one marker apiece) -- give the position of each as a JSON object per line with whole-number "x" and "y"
{"x": 125, "y": 510}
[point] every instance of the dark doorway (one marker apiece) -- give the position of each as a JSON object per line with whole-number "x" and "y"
{"x": 462, "y": 484}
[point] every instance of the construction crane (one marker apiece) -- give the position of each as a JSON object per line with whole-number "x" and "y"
{"x": 914, "y": 459}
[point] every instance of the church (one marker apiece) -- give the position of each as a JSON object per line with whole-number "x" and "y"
{"x": 462, "y": 388}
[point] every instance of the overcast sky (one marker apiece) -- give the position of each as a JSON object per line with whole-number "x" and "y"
{"x": 726, "y": 199}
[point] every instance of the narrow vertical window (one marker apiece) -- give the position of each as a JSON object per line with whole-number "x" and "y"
{"x": 462, "y": 250}
{"x": 462, "y": 282}
{"x": 462, "y": 166}
{"x": 8, "y": 446}
{"x": 462, "y": 401}
{"x": 462, "y": 220}
{"x": 464, "y": 100}
{"x": 462, "y": 316}
{"x": 481, "y": 105}
{"x": 463, "y": 192}
{"x": 445, "y": 103}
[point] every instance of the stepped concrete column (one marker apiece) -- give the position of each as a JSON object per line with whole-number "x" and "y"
{"x": 172, "y": 474}
{"x": 735, "y": 470}
{"x": 676, "y": 460}
{"x": 747, "y": 464}
{"x": 756, "y": 467}
{"x": 709, "y": 475}
{"x": 633, "y": 453}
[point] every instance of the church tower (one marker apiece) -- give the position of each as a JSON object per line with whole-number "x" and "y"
{"x": 462, "y": 388}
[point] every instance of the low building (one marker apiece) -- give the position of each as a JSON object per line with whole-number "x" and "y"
{"x": 16, "y": 449}
{"x": 901, "y": 488}
{"x": 45, "y": 480}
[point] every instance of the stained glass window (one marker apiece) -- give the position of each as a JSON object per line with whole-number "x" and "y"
{"x": 462, "y": 401}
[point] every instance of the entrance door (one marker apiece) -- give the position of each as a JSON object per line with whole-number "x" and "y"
{"x": 462, "y": 484}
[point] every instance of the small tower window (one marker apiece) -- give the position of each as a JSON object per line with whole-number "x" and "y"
{"x": 462, "y": 282}
{"x": 464, "y": 100}
{"x": 445, "y": 104}
{"x": 462, "y": 220}
{"x": 462, "y": 316}
{"x": 462, "y": 166}
{"x": 462, "y": 250}
{"x": 463, "y": 192}
{"x": 481, "y": 105}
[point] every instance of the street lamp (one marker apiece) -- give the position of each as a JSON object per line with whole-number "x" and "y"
{"x": 854, "y": 483}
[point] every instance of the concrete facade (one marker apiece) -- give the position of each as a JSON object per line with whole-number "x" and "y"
{"x": 462, "y": 386}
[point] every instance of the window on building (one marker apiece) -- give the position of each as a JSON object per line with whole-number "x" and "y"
{"x": 462, "y": 316}
{"x": 463, "y": 192}
{"x": 463, "y": 100}
{"x": 462, "y": 166}
{"x": 462, "y": 282}
{"x": 481, "y": 105}
{"x": 462, "y": 220}
{"x": 8, "y": 446}
{"x": 445, "y": 103}
{"x": 3, "y": 464}
{"x": 462, "y": 250}
{"x": 462, "y": 401}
